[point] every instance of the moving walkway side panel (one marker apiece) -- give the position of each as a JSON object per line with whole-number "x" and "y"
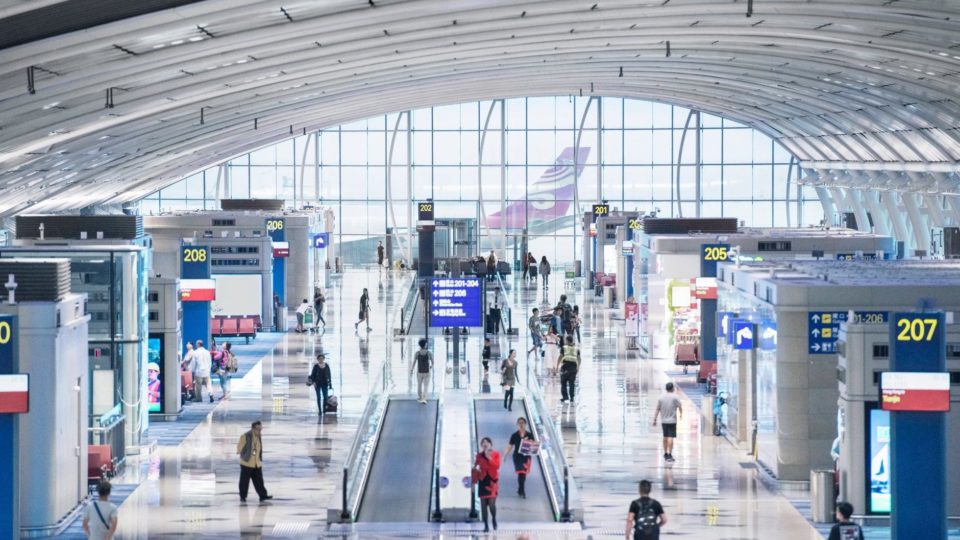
{"x": 398, "y": 487}
{"x": 497, "y": 423}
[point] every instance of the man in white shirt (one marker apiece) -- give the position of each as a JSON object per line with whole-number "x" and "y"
{"x": 204, "y": 363}
{"x": 100, "y": 516}
{"x": 670, "y": 411}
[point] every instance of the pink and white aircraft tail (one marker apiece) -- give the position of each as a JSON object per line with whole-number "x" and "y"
{"x": 548, "y": 198}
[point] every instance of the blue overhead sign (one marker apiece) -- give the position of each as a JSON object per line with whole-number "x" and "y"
{"x": 456, "y": 302}
{"x": 725, "y": 325}
{"x": 823, "y": 327}
{"x": 321, "y": 240}
{"x": 743, "y": 334}
{"x": 768, "y": 335}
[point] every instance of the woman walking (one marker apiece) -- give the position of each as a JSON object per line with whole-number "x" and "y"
{"x": 321, "y": 379}
{"x": 364, "y": 310}
{"x": 508, "y": 378}
{"x": 551, "y": 349}
{"x": 318, "y": 301}
{"x": 545, "y": 272}
{"x": 576, "y": 322}
{"x": 486, "y": 474}
{"x": 485, "y": 356}
{"x": 521, "y": 461}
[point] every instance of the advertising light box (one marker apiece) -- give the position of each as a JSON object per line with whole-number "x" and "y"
{"x": 923, "y": 392}
{"x": 198, "y": 290}
{"x": 14, "y": 394}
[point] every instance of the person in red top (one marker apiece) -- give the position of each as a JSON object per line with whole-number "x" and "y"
{"x": 486, "y": 474}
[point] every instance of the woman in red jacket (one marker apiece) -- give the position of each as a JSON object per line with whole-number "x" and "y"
{"x": 486, "y": 474}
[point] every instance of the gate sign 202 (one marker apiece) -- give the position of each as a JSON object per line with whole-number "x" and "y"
{"x": 456, "y": 302}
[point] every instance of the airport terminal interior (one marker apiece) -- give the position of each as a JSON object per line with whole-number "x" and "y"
{"x": 545, "y": 269}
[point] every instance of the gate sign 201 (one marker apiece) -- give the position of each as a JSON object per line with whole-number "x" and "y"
{"x": 456, "y": 302}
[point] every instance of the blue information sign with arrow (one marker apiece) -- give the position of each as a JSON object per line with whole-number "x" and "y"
{"x": 743, "y": 334}
{"x": 456, "y": 302}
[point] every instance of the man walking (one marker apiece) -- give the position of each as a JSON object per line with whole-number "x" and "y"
{"x": 100, "y": 516}
{"x": 645, "y": 516}
{"x": 204, "y": 363}
{"x": 250, "y": 449}
{"x": 568, "y": 366}
{"x": 423, "y": 361}
{"x": 381, "y": 254}
{"x": 536, "y": 332}
{"x": 669, "y": 410}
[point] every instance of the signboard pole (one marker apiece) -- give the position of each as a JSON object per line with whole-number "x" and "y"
{"x": 918, "y": 440}
{"x": 195, "y": 264}
{"x": 276, "y": 230}
{"x": 9, "y": 437}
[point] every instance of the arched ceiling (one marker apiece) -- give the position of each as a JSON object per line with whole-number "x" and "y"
{"x": 120, "y": 109}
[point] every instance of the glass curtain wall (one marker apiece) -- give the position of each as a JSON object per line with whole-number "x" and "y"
{"x": 528, "y": 156}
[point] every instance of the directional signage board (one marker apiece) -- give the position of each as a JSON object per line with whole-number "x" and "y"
{"x": 768, "y": 335}
{"x": 743, "y": 334}
{"x": 456, "y": 302}
{"x": 725, "y": 325}
{"x": 321, "y": 240}
{"x": 823, "y": 327}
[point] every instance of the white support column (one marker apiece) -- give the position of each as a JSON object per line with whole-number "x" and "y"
{"x": 881, "y": 221}
{"x": 932, "y": 204}
{"x": 855, "y": 197}
{"x": 826, "y": 201}
{"x": 921, "y": 231}
{"x": 897, "y": 217}
{"x": 953, "y": 203}
{"x": 840, "y": 203}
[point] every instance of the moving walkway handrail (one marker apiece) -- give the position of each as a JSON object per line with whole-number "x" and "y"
{"x": 360, "y": 456}
{"x": 474, "y": 447}
{"x": 436, "y": 514}
{"x": 409, "y": 309}
{"x": 552, "y": 458}
{"x": 506, "y": 312}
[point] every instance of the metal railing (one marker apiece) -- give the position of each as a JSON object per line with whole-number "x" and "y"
{"x": 474, "y": 445}
{"x": 436, "y": 514}
{"x": 409, "y": 309}
{"x": 559, "y": 484}
{"x": 356, "y": 467}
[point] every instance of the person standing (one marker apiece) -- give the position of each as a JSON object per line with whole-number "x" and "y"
{"x": 521, "y": 461}
{"x": 670, "y": 411}
{"x": 845, "y": 529}
{"x": 321, "y": 379}
{"x": 277, "y": 308}
{"x": 189, "y": 364}
{"x": 545, "y": 272}
{"x": 491, "y": 266}
{"x": 381, "y": 254}
{"x": 557, "y": 321}
{"x": 551, "y": 350}
{"x": 508, "y": 378}
{"x": 577, "y": 321}
{"x": 364, "y": 310}
{"x": 566, "y": 316}
{"x": 318, "y": 301}
{"x": 569, "y": 366}
{"x": 302, "y": 315}
{"x": 486, "y": 474}
{"x": 100, "y": 516}
{"x": 204, "y": 364}
{"x": 536, "y": 332}
{"x": 485, "y": 355}
{"x": 645, "y": 516}
{"x": 423, "y": 362}
{"x": 531, "y": 265}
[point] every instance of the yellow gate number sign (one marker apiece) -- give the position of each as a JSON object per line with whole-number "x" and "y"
{"x": 718, "y": 253}
{"x": 916, "y": 329}
{"x": 5, "y": 332}
{"x": 274, "y": 225}
{"x": 194, "y": 255}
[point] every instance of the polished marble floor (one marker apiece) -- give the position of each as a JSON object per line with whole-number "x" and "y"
{"x": 188, "y": 488}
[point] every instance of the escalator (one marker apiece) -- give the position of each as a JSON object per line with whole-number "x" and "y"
{"x": 494, "y": 421}
{"x": 399, "y": 482}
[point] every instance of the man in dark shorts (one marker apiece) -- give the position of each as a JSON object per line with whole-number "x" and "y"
{"x": 670, "y": 411}
{"x": 645, "y": 516}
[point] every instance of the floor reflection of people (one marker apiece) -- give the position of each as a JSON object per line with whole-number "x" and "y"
{"x": 251, "y": 519}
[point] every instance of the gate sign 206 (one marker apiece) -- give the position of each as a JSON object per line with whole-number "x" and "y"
{"x": 456, "y": 302}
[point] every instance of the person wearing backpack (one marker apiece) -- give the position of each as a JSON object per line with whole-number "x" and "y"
{"x": 566, "y": 316}
{"x": 100, "y": 516}
{"x": 423, "y": 362}
{"x": 322, "y": 381}
{"x": 645, "y": 517}
{"x": 845, "y": 529}
{"x": 226, "y": 366}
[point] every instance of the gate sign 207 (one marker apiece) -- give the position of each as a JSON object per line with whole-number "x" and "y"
{"x": 456, "y": 302}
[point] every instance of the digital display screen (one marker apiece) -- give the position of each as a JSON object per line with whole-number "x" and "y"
{"x": 238, "y": 295}
{"x": 155, "y": 374}
{"x": 923, "y": 392}
{"x": 878, "y": 461}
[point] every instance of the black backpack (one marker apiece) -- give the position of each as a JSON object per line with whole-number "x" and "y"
{"x": 645, "y": 525}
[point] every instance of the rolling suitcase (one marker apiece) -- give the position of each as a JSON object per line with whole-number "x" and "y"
{"x": 331, "y": 405}
{"x": 533, "y": 271}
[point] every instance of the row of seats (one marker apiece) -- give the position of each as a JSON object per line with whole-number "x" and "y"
{"x": 100, "y": 464}
{"x": 245, "y": 327}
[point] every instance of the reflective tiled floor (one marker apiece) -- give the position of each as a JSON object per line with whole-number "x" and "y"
{"x": 189, "y": 488}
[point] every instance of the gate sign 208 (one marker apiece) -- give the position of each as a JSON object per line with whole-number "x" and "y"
{"x": 456, "y": 302}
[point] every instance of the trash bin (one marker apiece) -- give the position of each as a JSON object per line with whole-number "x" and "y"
{"x": 706, "y": 413}
{"x": 822, "y": 498}
{"x": 608, "y": 296}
